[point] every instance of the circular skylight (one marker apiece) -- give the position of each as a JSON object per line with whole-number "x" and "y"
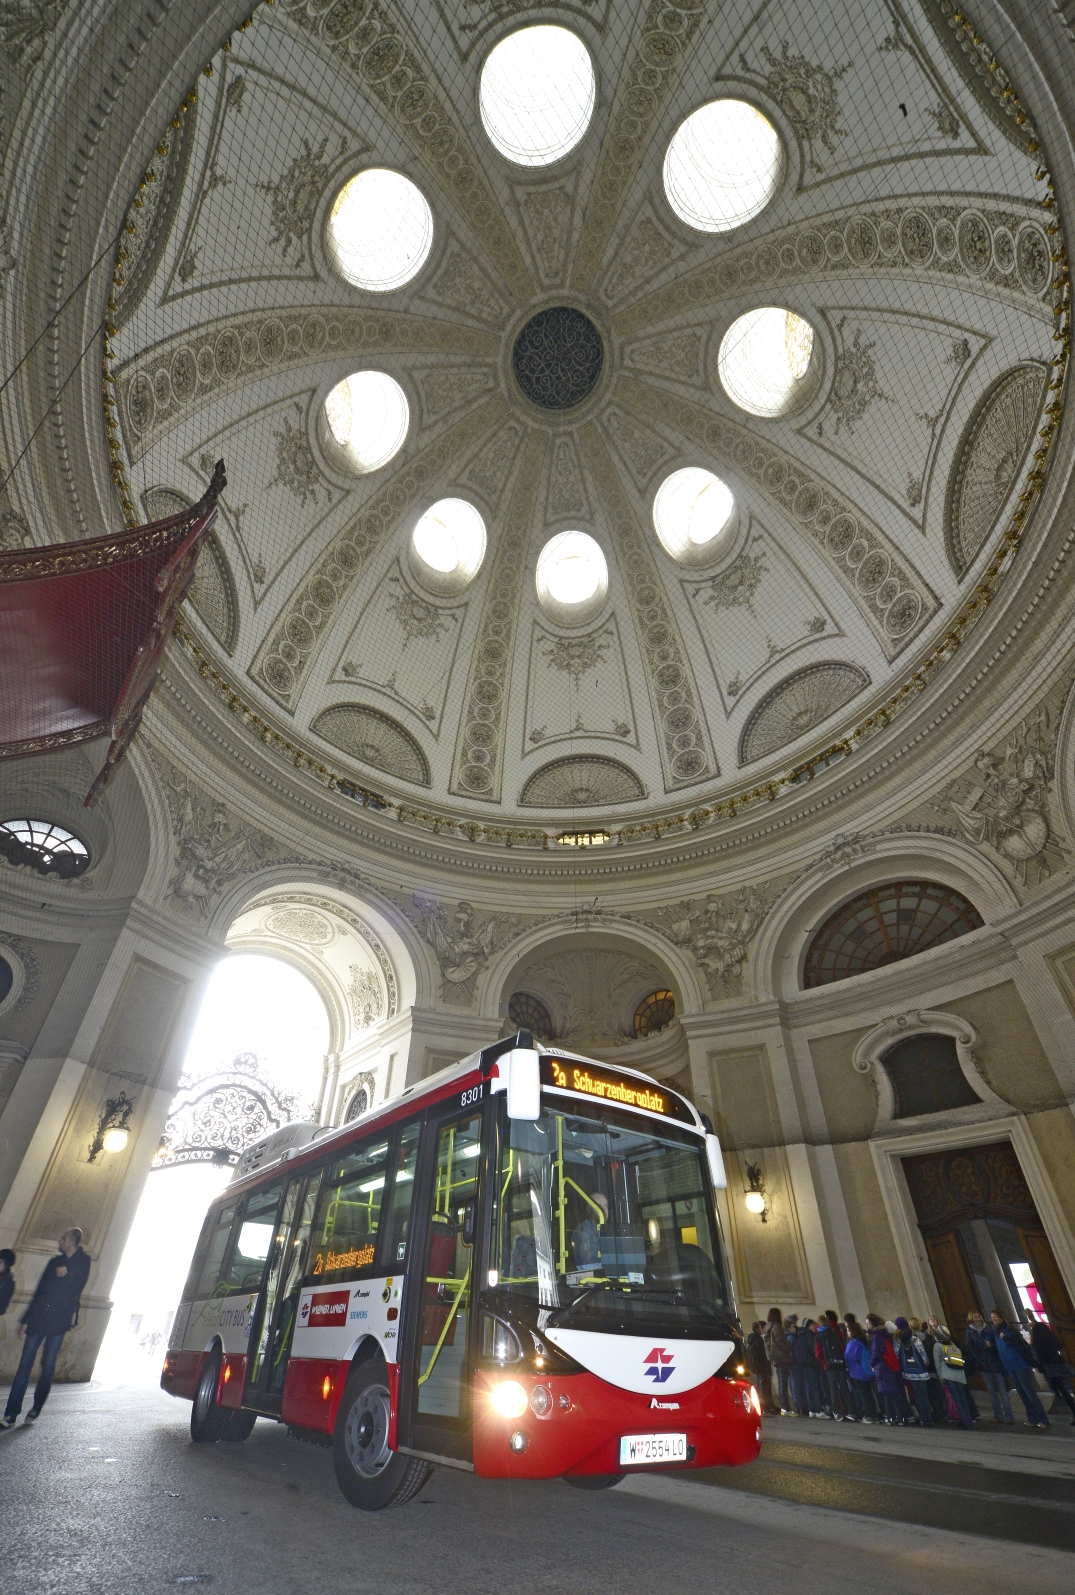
{"x": 537, "y": 94}
{"x": 723, "y": 166}
{"x": 448, "y": 545}
{"x": 572, "y": 577}
{"x": 368, "y": 416}
{"x": 694, "y": 515}
{"x": 765, "y": 361}
{"x": 380, "y": 230}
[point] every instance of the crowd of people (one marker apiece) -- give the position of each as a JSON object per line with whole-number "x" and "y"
{"x": 906, "y": 1371}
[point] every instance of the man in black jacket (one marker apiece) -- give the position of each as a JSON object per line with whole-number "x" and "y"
{"x": 53, "y": 1310}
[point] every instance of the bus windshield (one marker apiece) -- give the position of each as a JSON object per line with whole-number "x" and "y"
{"x": 604, "y": 1221}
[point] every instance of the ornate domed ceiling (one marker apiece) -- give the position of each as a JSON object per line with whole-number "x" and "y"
{"x": 559, "y": 335}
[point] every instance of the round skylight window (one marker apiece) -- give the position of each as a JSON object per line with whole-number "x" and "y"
{"x": 380, "y": 230}
{"x": 723, "y": 166}
{"x": 367, "y": 416}
{"x": 448, "y": 545}
{"x": 766, "y": 362}
{"x": 572, "y": 578}
{"x": 537, "y": 94}
{"x": 694, "y": 515}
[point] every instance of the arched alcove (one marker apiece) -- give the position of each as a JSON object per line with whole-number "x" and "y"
{"x": 853, "y": 865}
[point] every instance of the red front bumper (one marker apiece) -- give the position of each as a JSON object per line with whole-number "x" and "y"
{"x": 583, "y": 1436}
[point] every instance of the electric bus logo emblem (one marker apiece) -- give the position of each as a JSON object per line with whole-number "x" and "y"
{"x": 658, "y": 1365}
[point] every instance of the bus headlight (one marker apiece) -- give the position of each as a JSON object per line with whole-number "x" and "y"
{"x": 509, "y": 1399}
{"x": 540, "y": 1400}
{"x": 755, "y": 1400}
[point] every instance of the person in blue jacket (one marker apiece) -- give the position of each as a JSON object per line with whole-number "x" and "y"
{"x": 1017, "y": 1360}
{"x": 860, "y": 1374}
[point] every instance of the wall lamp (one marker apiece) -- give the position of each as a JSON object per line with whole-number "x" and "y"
{"x": 755, "y": 1192}
{"x": 114, "y": 1126}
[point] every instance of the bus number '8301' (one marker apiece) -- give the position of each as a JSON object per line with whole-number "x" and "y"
{"x": 473, "y": 1095}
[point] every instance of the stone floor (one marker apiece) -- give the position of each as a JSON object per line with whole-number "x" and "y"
{"x": 106, "y": 1494}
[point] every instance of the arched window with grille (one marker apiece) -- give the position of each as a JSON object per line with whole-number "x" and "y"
{"x": 358, "y": 1105}
{"x": 654, "y": 1013}
{"x": 527, "y": 1012}
{"x": 885, "y": 925}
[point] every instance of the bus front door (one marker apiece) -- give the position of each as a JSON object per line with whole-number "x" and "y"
{"x": 274, "y": 1320}
{"x": 435, "y": 1406}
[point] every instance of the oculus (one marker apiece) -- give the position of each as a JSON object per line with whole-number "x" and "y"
{"x": 375, "y": 739}
{"x": 581, "y": 782}
{"x": 885, "y": 925}
{"x": 694, "y": 515}
{"x": 448, "y": 545}
{"x": 557, "y": 358}
{"x": 571, "y": 578}
{"x": 723, "y": 166}
{"x": 767, "y": 363}
{"x": 537, "y": 94}
{"x": 379, "y": 230}
{"x": 366, "y": 419}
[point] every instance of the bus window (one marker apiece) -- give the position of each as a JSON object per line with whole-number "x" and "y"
{"x": 252, "y": 1232}
{"x": 598, "y": 1198}
{"x": 447, "y": 1279}
{"x": 348, "y": 1215}
{"x": 208, "y": 1256}
{"x": 399, "y": 1214}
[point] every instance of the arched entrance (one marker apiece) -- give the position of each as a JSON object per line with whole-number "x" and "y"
{"x": 255, "y": 1062}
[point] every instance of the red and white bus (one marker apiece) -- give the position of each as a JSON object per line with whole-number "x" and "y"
{"x": 515, "y": 1267}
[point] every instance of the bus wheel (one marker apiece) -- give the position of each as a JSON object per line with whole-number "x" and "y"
{"x": 592, "y": 1481}
{"x": 208, "y": 1422}
{"x": 369, "y": 1473}
{"x": 239, "y": 1425}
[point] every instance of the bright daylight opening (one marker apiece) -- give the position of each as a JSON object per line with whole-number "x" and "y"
{"x": 571, "y": 570}
{"x": 368, "y": 416}
{"x": 537, "y": 94}
{"x": 261, "y": 1038}
{"x": 723, "y": 166}
{"x": 380, "y": 230}
{"x": 765, "y": 361}
{"x": 449, "y": 541}
{"x": 692, "y": 514}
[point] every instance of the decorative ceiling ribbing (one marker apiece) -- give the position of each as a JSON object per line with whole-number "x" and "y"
{"x": 908, "y": 230}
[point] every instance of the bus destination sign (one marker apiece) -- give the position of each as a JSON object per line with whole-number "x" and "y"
{"x": 607, "y": 1085}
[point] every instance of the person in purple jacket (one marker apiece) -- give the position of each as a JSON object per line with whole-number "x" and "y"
{"x": 886, "y": 1369}
{"x": 860, "y": 1375}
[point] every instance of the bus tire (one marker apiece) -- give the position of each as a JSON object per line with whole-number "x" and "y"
{"x": 592, "y": 1481}
{"x": 239, "y": 1425}
{"x": 208, "y": 1421}
{"x": 371, "y": 1476}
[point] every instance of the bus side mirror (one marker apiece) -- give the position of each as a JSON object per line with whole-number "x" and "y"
{"x": 716, "y": 1162}
{"x": 524, "y": 1083}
